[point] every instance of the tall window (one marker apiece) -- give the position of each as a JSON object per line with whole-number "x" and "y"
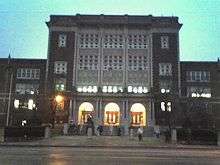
{"x": 60, "y": 67}
{"x": 88, "y": 40}
{"x": 112, "y": 62}
{"x": 165, "y": 69}
{"x": 22, "y": 88}
{"x": 198, "y": 91}
{"x": 88, "y": 62}
{"x": 137, "y": 62}
{"x": 62, "y": 40}
{"x": 164, "y": 40}
{"x": 113, "y": 41}
{"x": 137, "y": 41}
{"x": 28, "y": 73}
{"x": 60, "y": 84}
{"x": 199, "y": 76}
{"x": 165, "y": 86}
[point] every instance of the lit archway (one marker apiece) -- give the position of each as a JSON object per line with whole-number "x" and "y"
{"x": 112, "y": 114}
{"x": 138, "y": 115}
{"x": 85, "y": 110}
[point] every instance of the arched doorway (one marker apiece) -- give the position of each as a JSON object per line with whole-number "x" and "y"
{"x": 138, "y": 115}
{"x": 85, "y": 110}
{"x": 112, "y": 114}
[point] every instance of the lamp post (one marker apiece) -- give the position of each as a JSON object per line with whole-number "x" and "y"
{"x": 57, "y": 100}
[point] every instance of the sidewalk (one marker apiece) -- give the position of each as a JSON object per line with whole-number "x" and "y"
{"x": 103, "y": 141}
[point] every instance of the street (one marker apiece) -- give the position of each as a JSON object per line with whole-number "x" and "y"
{"x": 106, "y": 156}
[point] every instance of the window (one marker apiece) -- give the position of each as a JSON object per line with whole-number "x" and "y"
{"x": 60, "y": 67}
{"x": 166, "y": 106}
{"x": 200, "y": 91}
{"x": 137, "y": 41}
{"x": 22, "y": 88}
{"x": 88, "y": 62}
{"x": 165, "y": 69}
{"x": 28, "y": 73}
{"x": 62, "y": 40}
{"x": 164, "y": 42}
{"x": 165, "y": 86}
{"x": 60, "y": 84}
{"x": 113, "y": 41}
{"x": 88, "y": 40}
{"x": 112, "y": 62}
{"x": 198, "y": 76}
{"x": 137, "y": 62}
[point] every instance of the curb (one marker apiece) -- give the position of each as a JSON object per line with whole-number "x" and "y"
{"x": 116, "y": 147}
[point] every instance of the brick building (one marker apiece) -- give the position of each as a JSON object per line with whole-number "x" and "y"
{"x": 121, "y": 70}
{"x": 111, "y": 67}
{"x": 26, "y": 79}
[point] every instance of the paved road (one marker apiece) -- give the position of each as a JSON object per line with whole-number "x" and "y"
{"x": 105, "y": 156}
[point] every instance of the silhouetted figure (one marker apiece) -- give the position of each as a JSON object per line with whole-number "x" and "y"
{"x": 100, "y": 130}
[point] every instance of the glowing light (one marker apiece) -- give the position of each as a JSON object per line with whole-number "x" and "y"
{"x": 140, "y": 90}
{"x": 162, "y": 106}
{"x": 95, "y": 89}
{"x": 79, "y": 89}
{"x": 30, "y": 104}
{"x": 115, "y": 90}
{"x": 104, "y": 89}
{"x": 89, "y": 89}
{"x": 129, "y": 89}
{"x": 110, "y": 89}
{"x": 59, "y": 99}
{"x": 169, "y": 106}
{"x": 84, "y": 89}
{"x": 135, "y": 90}
{"x": 145, "y": 90}
{"x": 163, "y": 90}
{"x": 16, "y": 103}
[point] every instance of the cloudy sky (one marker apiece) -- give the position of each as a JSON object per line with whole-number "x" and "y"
{"x": 24, "y": 34}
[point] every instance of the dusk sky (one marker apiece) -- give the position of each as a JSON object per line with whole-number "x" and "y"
{"x": 24, "y": 34}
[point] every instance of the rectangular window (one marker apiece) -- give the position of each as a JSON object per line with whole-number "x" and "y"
{"x": 164, "y": 42}
{"x": 22, "y": 88}
{"x": 60, "y": 67}
{"x": 198, "y": 76}
{"x": 62, "y": 40}
{"x": 60, "y": 84}
{"x": 198, "y": 91}
{"x": 28, "y": 73}
{"x": 165, "y": 69}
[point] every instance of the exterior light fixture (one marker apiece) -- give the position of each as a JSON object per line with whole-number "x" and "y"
{"x": 145, "y": 90}
{"x": 104, "y": 89}
{"x": 79, "y": 89}
{"x": 59, "y": 98}
{"x": 163, "y": 90}
{"x": 110, "y": 89}
{"x": 140, "y": 90}
{"x": 84, "y": 89}
{"x": 95, "y": 89}
{"x": 169, "y": 106}
{"x": 115, "y": 90}
{"x": 89, "y": 89}
{"x": 16, "y": 103}
{"x": 30, "y": 104}
{"x": 135, "y": 90}
{"x": 129, "y": 89}
{"x": 162, "y": 106}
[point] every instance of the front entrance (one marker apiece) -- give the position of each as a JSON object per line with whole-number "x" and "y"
{"x": 112, "y": 114}
{"x": 138, "y": 115}
{"x": 85, "y": 111}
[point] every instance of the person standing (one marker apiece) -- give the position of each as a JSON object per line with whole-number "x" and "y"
{"x": 140, "y": 133}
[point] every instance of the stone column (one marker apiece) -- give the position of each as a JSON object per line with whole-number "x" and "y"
{"x": 218, "y": 138}
{"x": 174, "y": 136}
{"x": 2, "y": 134}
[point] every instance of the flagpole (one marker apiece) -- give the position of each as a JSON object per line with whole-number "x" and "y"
{"x": 9, "y": 100}
{"x": 10, "y": 72}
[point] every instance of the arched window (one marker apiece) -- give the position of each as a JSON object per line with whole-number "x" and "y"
{"x": 138, "y": 115}
{"x": 85, "y": 110}
{"x": 112, "y": 114}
